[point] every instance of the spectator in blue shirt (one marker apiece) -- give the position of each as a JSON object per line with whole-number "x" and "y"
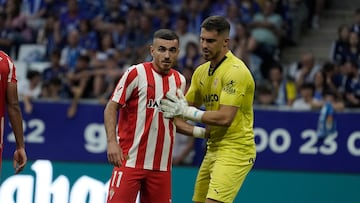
{"x": 70, "y": 19}
{"x": 71, "y": 51}
{"x": 340, "y": 45}
{"x": 88, "y": 37}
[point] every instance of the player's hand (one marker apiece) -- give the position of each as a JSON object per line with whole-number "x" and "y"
{"x": 173, "y": 105}
{"x": 114, "y": 154}
{"x": 20, "y": 160}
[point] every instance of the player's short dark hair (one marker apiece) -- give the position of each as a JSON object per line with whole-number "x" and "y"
{"x": 217, "y": 23}
{"x": 166, "y": 34}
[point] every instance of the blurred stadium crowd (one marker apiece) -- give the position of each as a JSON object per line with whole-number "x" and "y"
{"x": 78, "y": 49}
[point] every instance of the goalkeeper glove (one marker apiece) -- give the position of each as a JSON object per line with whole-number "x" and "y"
{"x": 174, "y": 106}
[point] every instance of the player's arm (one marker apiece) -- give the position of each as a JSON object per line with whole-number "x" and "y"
{"x": 222, "y": 117}
{"x": 15, "y": 118}
{"x": 190, "y": 130}
{"x": 114, "y": 152}
{"x": 174, "y": 106}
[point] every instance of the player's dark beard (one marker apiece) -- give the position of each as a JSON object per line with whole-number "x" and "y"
{"x": 207, "y": 55}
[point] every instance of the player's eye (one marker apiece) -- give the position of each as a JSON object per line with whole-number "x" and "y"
{"x": 207, "y": 40}
{"x": 162, "y": 49}
{"x": 210, "y": 40}
{"x": 173, "y": 50}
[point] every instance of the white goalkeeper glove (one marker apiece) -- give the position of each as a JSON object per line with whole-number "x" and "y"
{"x": 174, "y": 106}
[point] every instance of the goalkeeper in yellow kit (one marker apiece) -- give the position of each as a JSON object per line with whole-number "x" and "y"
{"x": 225, "y": 86}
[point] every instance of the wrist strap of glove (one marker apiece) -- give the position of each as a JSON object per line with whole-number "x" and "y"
{"x": 193, "y": 114}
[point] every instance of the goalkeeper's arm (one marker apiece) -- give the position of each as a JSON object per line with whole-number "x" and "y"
{"x": 222, "y": 117}
{"x": 193, "y": 113}
{"x": 176, "y": 105}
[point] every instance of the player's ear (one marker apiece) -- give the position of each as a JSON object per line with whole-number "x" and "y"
{"x": 151, "y": 47}
{"x": 226, "y": 42}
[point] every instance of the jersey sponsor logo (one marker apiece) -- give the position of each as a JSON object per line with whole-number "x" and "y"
{"x": 229, "y": 87}
{"x": 154, "y": 104}
{"x": 210, "y": 98}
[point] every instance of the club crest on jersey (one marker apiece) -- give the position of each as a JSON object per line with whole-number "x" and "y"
{"x": 153, "y": 104}
{"x": 111, "y": 193}
{"x": 119, "y": 88}
{"x": 216, "y": 82}
{"x": 229, "y": 87}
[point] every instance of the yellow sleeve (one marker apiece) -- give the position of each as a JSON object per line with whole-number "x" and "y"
{"x": 237, "y": 85}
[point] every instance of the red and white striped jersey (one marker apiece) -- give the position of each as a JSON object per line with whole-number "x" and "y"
{"x": 145, "y": 136}
{"x": 7, "y": 74}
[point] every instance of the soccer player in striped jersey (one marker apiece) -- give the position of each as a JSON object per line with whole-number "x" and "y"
{"x": 142, "y": 155}
{"x": 9, "y": 100}
{"x": 225, "y": 86}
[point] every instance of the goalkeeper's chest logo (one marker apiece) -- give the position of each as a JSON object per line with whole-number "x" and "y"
{"x": 154, "y": 104}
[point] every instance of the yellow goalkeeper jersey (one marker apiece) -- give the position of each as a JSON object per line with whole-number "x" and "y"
{"x": 230, "y": 83}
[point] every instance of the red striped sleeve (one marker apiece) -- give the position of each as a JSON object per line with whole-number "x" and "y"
{"x": 131, "y": 77}
{"x": 127, "y": 125}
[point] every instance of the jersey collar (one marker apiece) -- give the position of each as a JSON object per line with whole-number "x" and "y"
{"x": 213, "y": 68}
